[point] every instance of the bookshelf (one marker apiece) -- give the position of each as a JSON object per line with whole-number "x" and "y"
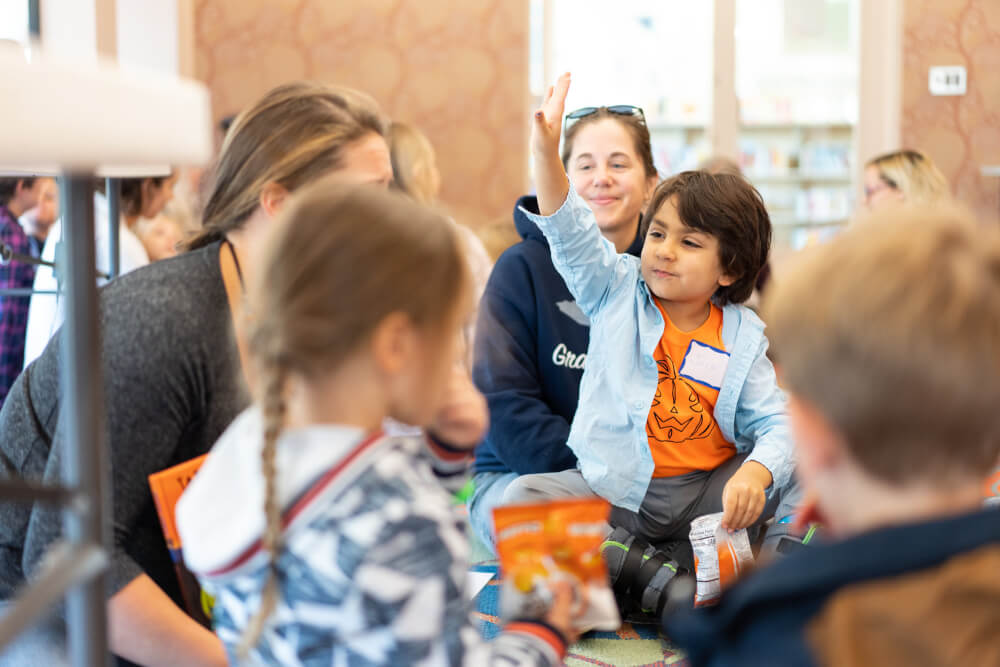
{"x": 803, "y": 170}
{"x": 804, "y": 173}
{"x": 679, "y": 146}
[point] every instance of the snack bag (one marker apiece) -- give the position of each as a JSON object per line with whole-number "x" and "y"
{"x": 991, "y": 488}
{"x": 544, "y": 542}
{"x": 720, "y": 557}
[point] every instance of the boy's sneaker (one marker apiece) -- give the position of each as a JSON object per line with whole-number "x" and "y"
{"x": 640, "y": 574}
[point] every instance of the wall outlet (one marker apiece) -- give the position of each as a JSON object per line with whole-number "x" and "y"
{"x": 947, "y": 80}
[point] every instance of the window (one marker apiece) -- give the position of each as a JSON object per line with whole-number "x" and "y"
{"x": 656, "y": 54}
{"x": 795, "y": 79}
{"x": 14, "y": 20}
{"x": 797, "y": 86}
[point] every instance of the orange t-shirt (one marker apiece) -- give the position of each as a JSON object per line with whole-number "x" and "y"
{"x": 683, "y": 435}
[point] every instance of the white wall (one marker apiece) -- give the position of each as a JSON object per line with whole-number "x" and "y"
{"x": 147, "y": 34}
{"x": 14, "y": 20}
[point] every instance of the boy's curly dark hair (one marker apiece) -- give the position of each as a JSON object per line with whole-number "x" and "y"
{"x": 730, "y": 209}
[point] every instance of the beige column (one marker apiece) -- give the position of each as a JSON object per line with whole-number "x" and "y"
{"x": 725, "y": 130}
{"x": 880, "y": 80}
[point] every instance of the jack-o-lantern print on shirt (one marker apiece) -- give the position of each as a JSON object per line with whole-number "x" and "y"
{"x": 677, "y": 410}
{"x": 681, "y": 429}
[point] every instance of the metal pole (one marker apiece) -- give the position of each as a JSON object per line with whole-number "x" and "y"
{"x": 82, "y": 387}
{"x": 25, "y": 291}
{"x": 113, "y": 188}
{"x": 34, "y": 19}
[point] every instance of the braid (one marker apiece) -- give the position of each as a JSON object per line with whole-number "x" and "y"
{"x": 273, "y": 377}
{"x": 313, "y": 315}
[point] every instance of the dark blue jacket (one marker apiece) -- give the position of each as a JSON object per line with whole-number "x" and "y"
{"x": 816, "y": 606}
{"x": 530, "y": 348}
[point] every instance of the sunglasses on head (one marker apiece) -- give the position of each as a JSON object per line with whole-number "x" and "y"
{"x": 618, "y": 109}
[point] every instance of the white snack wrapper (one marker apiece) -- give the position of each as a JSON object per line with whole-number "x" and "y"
{"x": 710, "y": 543}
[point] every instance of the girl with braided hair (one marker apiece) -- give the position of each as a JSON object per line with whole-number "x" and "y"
{"x": 358, "y": 556}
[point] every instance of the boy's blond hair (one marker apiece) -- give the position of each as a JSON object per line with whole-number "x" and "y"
{"x": 892, "y": 331}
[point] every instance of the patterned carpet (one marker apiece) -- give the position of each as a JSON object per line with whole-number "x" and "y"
{"x": 630, "y": 646}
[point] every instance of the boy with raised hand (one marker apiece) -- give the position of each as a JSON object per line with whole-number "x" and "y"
{"x": 888, "y": 340}
{"x": 680, "y": 413}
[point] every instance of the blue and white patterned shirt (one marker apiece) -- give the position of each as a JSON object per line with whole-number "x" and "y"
{"x": 373, "y": 559}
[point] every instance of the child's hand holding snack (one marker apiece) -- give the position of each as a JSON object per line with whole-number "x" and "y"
{"x": 743, "y": 497}
{"x": 568, "y": 608}
{"x": 552, "y": 567}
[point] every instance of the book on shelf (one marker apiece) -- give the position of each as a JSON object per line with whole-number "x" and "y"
{"x": 167, "y": 487}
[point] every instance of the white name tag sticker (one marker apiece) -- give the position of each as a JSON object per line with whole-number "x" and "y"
{"x": 704, "y": 364}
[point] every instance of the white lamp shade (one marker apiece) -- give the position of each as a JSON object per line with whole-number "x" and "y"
{"x": 85, "y": 116}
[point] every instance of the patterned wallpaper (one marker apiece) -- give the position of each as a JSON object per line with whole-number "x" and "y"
{"x": 959, "y": 133}
{"x": 456, "y": 69}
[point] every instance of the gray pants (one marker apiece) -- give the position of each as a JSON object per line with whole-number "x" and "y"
{"x": 664, "y": 518}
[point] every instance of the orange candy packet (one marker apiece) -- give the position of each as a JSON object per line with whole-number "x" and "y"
{"x": 543, "y": 542}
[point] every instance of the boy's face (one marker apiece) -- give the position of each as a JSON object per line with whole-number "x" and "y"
{"x": 680, "y": 264}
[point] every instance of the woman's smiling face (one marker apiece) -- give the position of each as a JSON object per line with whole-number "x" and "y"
{"x": 606, "y": 171}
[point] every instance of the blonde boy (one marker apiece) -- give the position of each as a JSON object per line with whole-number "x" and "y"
{"x": 887, "y": 340}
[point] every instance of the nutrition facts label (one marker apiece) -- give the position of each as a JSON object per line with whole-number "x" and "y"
{"x": 719, "y": 556}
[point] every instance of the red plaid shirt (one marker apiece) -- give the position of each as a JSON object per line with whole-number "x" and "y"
{"x": 13, "y": 309}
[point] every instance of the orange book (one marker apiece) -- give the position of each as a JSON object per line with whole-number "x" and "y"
{"x": 167, "y": 487}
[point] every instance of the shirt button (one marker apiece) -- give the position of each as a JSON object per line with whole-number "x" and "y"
{"x": 649, "y": 361}
{"x": 637, "y": 405}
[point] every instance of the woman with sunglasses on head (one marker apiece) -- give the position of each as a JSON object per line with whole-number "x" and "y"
{"x": 904, "y": 175}
{"x": 531, "y": 337}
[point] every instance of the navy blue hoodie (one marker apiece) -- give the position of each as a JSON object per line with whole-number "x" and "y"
{"x": 530, "y": 348}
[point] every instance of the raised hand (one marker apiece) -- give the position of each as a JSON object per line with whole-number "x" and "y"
{"x": 547, "y": 124}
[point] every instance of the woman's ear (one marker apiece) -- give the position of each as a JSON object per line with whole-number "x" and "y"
{"x": 651, "y": 183}
{"x": 272, "y": 198}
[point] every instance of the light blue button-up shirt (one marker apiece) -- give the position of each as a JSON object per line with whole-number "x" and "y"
{"x": 608, "y": 434}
